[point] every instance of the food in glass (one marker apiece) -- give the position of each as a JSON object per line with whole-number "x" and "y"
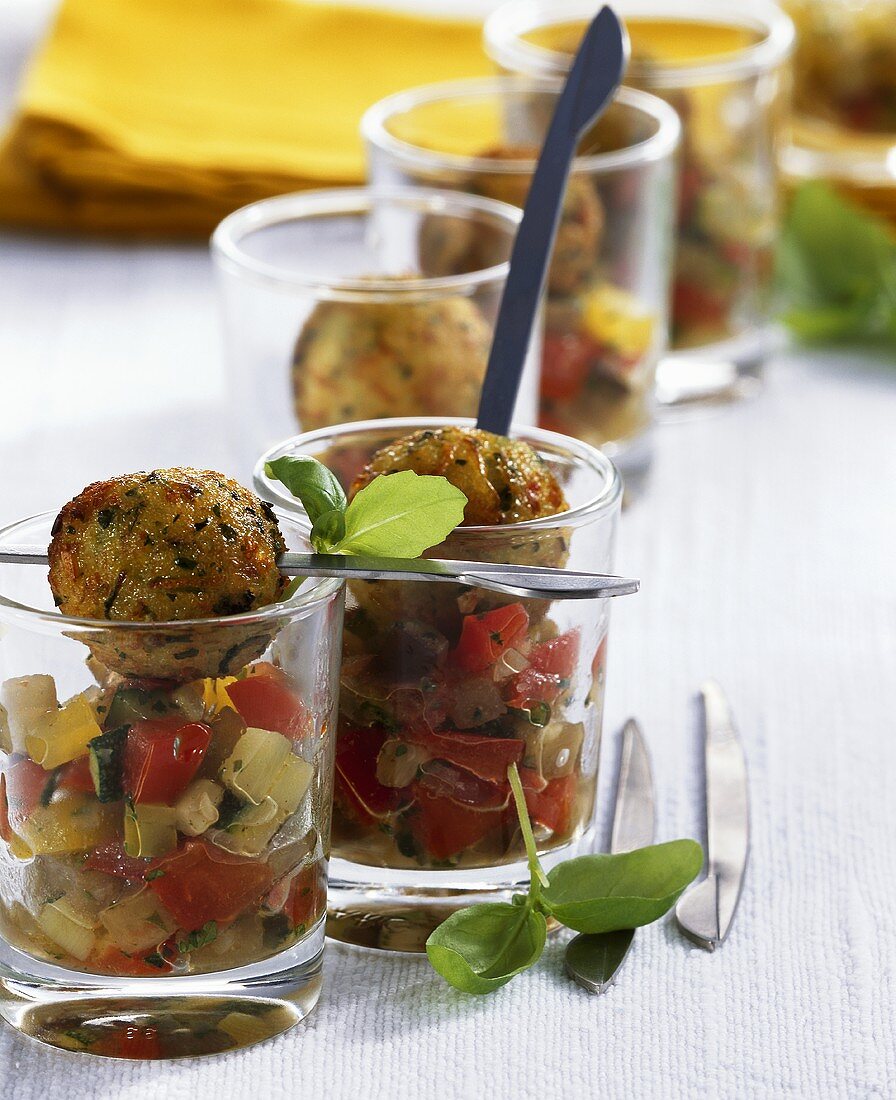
{"x": 720, "y": 67}
{"x": 170, "y": 816}
{"x": 607, "y": 291}
{"x": 343, "y": 305}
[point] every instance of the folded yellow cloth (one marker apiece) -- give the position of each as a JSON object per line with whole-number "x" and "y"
{"x": 160, "y": 116}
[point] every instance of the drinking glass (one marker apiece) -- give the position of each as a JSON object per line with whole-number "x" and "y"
{"x": 444, "y": 686}
{"x": 342, "y": 305}
{"x": 165, "y": 800}
{"x": 722, "y": 66}
{"x": 606, "y": 304}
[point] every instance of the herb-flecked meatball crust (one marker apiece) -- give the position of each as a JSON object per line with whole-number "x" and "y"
{"x": 164, "y": 546}
{"x": 504, "y": 480}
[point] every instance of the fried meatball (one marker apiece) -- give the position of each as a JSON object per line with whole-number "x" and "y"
{"x": 355, "y": 361}
{"x": 581, "y": 217}
{"x": 165, "y": 546}
{"x": 504, "y": 480}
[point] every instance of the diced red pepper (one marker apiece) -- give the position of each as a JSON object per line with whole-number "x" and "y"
{"x": 552, "y": 807}
{"x": 358, "y": 792}
{"x": 693, "y": 304}
{"x": 463, "y": 787}
{"x": 138, "y": 1042}
{"x": 443, "y": 828}
{"x": 265, "y": 703}
{"x": 486, "y": 636}
{"x": 307, "y": 896}
{"x": 565, "y": 359}
{"x": 161, "y": 757}
{"x": 200, "y": 883}
{"x": 558, "y": 655}
{"x": 551, "y": 664}
{"x": 111, "y": 859}
{"x": 599, "y": 664}
{"x": 486, "y": 757}
{"x": 531, "y": 686}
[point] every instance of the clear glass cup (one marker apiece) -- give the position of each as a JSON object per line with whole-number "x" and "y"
{"x": 163, "y": 842}
{"x": 606, "y": 304}
{"x": 343, "y": 305}
{"x": 844, "y": 99}
{"x": 722, "y": 66}
{"x": 443, "y": 686}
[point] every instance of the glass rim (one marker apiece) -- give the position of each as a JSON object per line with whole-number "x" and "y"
{"x": 228, "y": 252}
{"x": 299, "y": 604}
{"x": 504, "y": 27}
{"x": 657, "y": 146}
{"x": 590, "y": 456}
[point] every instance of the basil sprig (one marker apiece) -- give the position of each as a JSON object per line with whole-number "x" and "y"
{"x": 399, "y": 515}
{"x": 479, "y": 949}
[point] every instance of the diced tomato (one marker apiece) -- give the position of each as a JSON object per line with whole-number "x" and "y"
{"x": 532, "y": 780}
{"x": 552, "y": 807}
{"x": 75, "y": 776}
{"x": 565, "y": 359}
{"x": 443, "y": 828}
{"x": 25, "y": 783}
{"x": 486, "y": 757}
{"x": 199, "y": 884}
{"x": 307, "y": 896}
{"x": 358, "y": 792}
{"x": 599, "y": 664}
{"x": 463, "y": 787}
{"x": 265, "y": 703}
{"x": 531, "y": 686}
{"x": 161, "y": 757}
{"x": 558, "y": 655}
{"x": 693, "y": 304}
{"x": 115, "y": 961}
{"x": 111, "y": 859}
{"x": 486, "y": 636}
{"x": 135, "y": 1041}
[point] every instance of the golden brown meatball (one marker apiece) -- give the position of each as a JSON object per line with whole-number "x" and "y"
{"x": 165, "y": 546}
{"x": 581, "y": 218}
{"x": 504, "y": 480}
{"x": 355, "y": 361}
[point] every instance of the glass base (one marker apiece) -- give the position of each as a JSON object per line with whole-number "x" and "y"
{"x": 152, "y": 1018}
{"x": 386, "y": 910}
{"x": 697, "y": 380}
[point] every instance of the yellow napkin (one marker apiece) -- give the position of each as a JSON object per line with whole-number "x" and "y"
{"x": 160, "y": 116}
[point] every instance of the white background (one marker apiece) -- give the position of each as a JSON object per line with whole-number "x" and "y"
{"x": 767, "y": 551}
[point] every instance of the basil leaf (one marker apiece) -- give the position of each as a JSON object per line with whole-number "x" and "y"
{"x": 309, "y": 480}
{"x": 401, "y": 515}
{"x": 603, "y": 893}
{"x": 479, "y": 949}
{"x": 328, "y": 530}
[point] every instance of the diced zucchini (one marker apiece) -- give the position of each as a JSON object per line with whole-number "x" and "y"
{"x": 149, "y": 830}
{"x": 67, "y": 927}
{"x": 188, "y": 699}
{"x": 134, "y": 704}
{"x": 27, "y": 699}
{"x": 252, "y": 767}
{"x": 289, "y": 788}
{"x": 107, "y": 763}
{"x": 197, "y": 808}
{"x": 73, "y": 824}
{"x": 59, "y": 737}
{"x": 251, "y": 830}
{"x": 138, "y": 922}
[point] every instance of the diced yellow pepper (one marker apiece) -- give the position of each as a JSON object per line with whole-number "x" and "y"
{"x": 214, "y": 694}
{"x": 62, "y": 735}
{"x": 67, "y": 928}
{"x": 615, "y": 317}
{"x": 149, "y": 830}
{"x": 74, "y": 824}
{"x": 138, "y": 922}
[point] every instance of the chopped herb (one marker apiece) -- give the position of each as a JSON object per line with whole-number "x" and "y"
{"x": 105, "y": 516}
{"x": 227, "y": 531}
{"x": 186, "y": 654}
{"x": 185, "y": 563}
{"x": 157, "y": 960}
{"x": 151, "y": 876}
{"x": 400, "y": 750}
{"x": 199, "y": 937}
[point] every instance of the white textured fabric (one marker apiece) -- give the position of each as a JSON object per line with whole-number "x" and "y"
{"x": 766, "y": 550}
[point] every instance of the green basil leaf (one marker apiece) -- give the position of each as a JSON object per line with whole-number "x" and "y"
{"x": 603, "y": 893}
{"x": 479, "y": 949}
{"x": 310, "y": 481}
{"x": 400, "y": 515}
{"x": 328, "y": 530}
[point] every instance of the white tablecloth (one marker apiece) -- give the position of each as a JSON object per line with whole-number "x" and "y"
{"x": 767, "y": 550}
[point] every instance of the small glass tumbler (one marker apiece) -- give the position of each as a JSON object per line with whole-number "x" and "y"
{"x": 722, "y": 66}
{"x": 165, "y": 801}
{"x": 606, "y": 306}
{"x": 345, "y": 305}
{"x": 444, "y": 686}
{"x": 844, "y": 99}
